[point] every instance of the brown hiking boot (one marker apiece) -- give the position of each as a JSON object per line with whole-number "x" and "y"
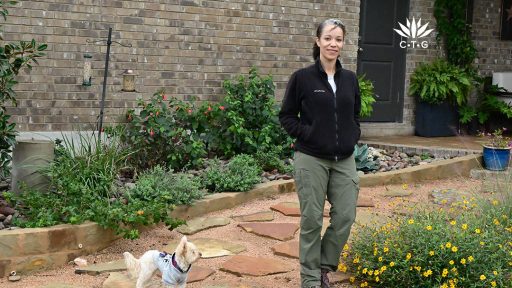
{"x": 324, "y": 279}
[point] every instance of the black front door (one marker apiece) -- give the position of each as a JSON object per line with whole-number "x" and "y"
{"x": 380, "y": 56}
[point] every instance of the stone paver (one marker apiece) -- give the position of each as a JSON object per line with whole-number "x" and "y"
{"x": 263, "y": 216}
{"x": 199, "y": 224}
{"x": 121, "y": 280}
{"x": 398, "y": 192}
{"x": 364, "y": 201}
{"x": 339, "y": 277}
{"x": 97, "y": 269}
{"x": 210, "y": 248}
{"x": 287, "y": 208}
{"x": 291, "y": 209}
{"x": 59, "y": 285}
{"x": 254, "y": 266}
{"x": 243, "y": 284}
{"x": 279, "y": 231}
{"x": 448, "y": 196}
{"x": 287, "y": 249}
{"x": 198, "y": 273}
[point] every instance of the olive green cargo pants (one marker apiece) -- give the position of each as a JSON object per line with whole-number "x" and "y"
{"x": 316, "y": 179}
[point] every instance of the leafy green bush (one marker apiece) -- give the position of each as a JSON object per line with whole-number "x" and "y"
{"x": 159, "y": 185}
{"x": 271, "y": 160}
{"x": 7, "y": 140}
{"x": 13, "y": 57}
{"x": 367, "y": 96}
{"x": 487, "y": 104}
{"x": 240, "y": 174}
{"x": 160, "y": 134}
{"x": 437, "y": 248}
{"x": 82, "y": 188}
{"x": 440, "y": 81}
{"x": 250, "y": 120}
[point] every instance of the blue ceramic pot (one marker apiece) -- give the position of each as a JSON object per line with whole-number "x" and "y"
{"x": 496, "y": 159}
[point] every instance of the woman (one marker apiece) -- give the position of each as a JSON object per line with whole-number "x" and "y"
{"x": 321, "y": 110}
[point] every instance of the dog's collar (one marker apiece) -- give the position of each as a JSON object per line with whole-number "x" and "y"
{"x": 175, "y": 264}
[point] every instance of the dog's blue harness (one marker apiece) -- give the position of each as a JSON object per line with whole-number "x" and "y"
{"x": 172, "y": 274}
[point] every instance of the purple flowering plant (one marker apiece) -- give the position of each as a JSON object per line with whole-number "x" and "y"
{"x": 496, "y": 139}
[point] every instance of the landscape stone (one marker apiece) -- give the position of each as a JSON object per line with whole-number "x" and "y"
{"x": 279, "y": 231}
{"x": 60, "y": 285}
{"x": 287, "y": 208}
{"x": 254, "y": 266}
{"x": 121, "y": 280}
{"x": 198, "y": 273}
{"x": 97, "y": 269}
{"x": 232, "y": 285}
{"x": 364, "y": 201}
{"x": 14, "y": 278}
{"x": 255, "y": 217}
{"x": 210, "y": 248}
{"x": 287, "y": 249}
{"x": 339, "y": 277}
{"x": 198, "y": 224}
{"x": 448, "y": 196}
{"x": 399, "y": 192}
{"x": 291, "y": 209}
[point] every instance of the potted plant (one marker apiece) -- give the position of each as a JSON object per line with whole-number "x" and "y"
{"x": 496, "y": 152}
{"x": 440, "y": 88}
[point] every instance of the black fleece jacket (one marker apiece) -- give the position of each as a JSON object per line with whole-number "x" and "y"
{"x": 325, "y": 125}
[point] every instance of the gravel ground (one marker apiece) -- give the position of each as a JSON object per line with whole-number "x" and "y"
{"x": 256, "y": 245}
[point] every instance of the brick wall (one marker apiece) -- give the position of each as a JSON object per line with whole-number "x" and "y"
{"x": 495, "y": 55}
{"x": 190, "y": 46}
{"x": 186, "y": 46}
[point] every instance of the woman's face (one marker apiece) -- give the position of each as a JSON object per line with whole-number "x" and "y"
{"x": 330, "y": 42}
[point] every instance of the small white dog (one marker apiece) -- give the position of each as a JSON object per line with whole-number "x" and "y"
{"x": 174, "y": 267}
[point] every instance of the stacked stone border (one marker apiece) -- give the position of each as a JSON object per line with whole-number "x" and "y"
{"x": 32, "y": 249}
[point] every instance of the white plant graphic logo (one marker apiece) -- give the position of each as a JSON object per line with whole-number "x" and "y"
{"x": 413, "y": 30}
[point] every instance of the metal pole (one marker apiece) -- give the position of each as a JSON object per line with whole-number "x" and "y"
{"x": 105, "y": 76}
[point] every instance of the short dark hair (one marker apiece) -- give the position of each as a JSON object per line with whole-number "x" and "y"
{"x": 320, "y": 29}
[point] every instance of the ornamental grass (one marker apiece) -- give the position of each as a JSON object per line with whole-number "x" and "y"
{"x": 467, "y": 245}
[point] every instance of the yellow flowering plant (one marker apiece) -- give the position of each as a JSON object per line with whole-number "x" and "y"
{"x": 436, "y": 248}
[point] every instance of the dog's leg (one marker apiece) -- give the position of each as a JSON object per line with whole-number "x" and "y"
{"x": 132, "y": 264}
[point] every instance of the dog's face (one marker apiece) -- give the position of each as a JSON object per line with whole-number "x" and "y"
{"x": 187, "y": 251}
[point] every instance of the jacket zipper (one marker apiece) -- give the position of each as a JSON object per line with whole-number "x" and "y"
{"x": 335, "y": 114}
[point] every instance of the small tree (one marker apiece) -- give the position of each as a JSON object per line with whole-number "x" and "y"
{"x": 13, "y": 57}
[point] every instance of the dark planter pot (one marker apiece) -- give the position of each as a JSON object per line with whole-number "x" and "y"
{"x": 436, "y": 120}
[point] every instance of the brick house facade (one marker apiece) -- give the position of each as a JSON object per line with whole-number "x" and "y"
{"x": 189, "y": 47}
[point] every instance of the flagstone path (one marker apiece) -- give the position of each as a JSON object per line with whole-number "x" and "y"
{"x": 253, "y": 245}
{"x": 259, "y": 223}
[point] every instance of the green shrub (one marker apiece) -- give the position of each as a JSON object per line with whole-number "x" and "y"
{"x": 240, "y": 174}
{"x": 367, "y": 96}
{"x": 437, "y": 249}
{"x": 159, "y": 185}
{"x": 82, "y": 188}
{"x": 160, "y": 134}
{"x": 271, "y": 160}
{"x": 250, "y": 120}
